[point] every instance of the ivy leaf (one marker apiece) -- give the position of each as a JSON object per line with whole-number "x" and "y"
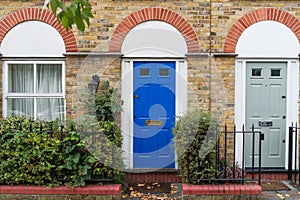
{"x": 76, "y": 157}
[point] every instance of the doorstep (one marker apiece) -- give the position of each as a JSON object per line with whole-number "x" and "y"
{"x": 152, "y": 176}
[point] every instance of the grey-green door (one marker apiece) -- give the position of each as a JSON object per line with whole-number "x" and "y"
{"x": 266, "y": 109}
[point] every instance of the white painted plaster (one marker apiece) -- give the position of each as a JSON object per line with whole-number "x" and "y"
{"x": 240, "y": 105}
{"x": 154, "y": 39}
{"x": 33, "y": 39}
{"x": 292, "y": 101}
{"x": 268, "y": 39}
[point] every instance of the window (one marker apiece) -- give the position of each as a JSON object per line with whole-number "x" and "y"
{"x": 256, "y": 72}
{"x": 275, "y": 72}
{"x": 144, "y": 72}
{"x": 164, "y": 72}
{"x": 34, "y": 89}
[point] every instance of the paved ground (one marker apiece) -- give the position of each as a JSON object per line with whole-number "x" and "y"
{"x": 291, "y": 194}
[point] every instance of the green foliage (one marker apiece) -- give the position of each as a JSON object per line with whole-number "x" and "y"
{"x": 102, "y": 110}
{"x": 78, "y": 12}
{"x": 31, "y": 155}
{"x": 195, "y": 139}
{"x": 26, "y": 157}
{"x": 108, "y": 106}
{"x": 75, "y": 161}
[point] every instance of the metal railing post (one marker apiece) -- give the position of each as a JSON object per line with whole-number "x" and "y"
{"x": 259, "y": 159}
{"x": 290, "y": 161}
{"x": 253, "y": 148}
{"x": 243, "y": 156}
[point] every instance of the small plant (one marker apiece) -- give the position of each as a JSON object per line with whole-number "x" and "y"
{"x": 108, "y": 107}
{"x": 102, "y": 111}
{"x": 195, "y": 139}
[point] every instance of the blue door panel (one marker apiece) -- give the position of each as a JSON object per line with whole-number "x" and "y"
{"x": 154, "y": 114}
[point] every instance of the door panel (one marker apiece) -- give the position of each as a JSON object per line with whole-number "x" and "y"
{"x": 154, "y": 114}
{"x": 265, "y": 101}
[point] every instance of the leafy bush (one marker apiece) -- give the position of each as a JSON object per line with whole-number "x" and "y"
{"x": 26, "y": 156}
{"x": 38, "y": 153}
{"x": 195, "y": 139}
{"x": 102, "y": 111}
{"x": 108, "y": 106}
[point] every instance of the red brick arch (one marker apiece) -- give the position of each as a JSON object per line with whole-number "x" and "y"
{"x": 258, "y": 15}
{"x": 38, "y": 14}
{"x": 159, "y": 14}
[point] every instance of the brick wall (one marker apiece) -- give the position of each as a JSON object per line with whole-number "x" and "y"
{"x": 79, "y": 72}
{"x": 216, "y": 26}
{"x": 109, "y": 14}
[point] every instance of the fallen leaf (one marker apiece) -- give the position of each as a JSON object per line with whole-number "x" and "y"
{"x": 173, "y": 191}
{"x": 280, "y": 196}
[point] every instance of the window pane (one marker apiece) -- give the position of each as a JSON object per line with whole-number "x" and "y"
{"x": 50, "y": 108}
{"x": 20, "y": 107}
{"x": 164, "y": 72}
{"x": 145, "y": 72}
{"x": 49, "y": 78}
{"x": 20, "y": 78}
{"x": 275, "y": 72}
{"x": 256, "y": 72}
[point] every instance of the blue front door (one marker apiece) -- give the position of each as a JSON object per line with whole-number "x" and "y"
{"x": 154, "y": 114}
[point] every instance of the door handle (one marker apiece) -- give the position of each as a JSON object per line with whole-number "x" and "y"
{"x": 136, "y": 96}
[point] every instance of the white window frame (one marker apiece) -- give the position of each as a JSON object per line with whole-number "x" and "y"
{"x": 6, "y": 94}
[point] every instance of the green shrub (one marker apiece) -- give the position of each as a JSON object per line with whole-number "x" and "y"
{"x": 102, "y": 111}
{"x": 194, "y": 140}
{"x": 108, "y": 107}
{"x": 26, "y": 154}
{"x": 33, "y": 155}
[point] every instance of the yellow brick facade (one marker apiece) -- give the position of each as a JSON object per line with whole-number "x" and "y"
{"x": 210, "y": 19}
{"x": 211, "y": 78}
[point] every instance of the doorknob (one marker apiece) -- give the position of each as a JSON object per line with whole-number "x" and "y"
{"x": 135, "y": 96}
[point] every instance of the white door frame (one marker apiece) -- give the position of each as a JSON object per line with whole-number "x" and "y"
{"x": 127, "y": 97}
{"x": 292, "y": 97}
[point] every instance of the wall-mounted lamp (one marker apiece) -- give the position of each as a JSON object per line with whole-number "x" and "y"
{"x": 93, "y": 85}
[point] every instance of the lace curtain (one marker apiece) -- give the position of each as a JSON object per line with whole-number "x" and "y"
{"x": 33, "y": 95}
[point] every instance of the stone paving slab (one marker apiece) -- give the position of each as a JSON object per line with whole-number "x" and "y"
{"x": 292, "y": 194}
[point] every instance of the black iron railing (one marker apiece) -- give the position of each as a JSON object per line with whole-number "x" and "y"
{"x": 293, "y": 154}
{"x": 225, "y": 149}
